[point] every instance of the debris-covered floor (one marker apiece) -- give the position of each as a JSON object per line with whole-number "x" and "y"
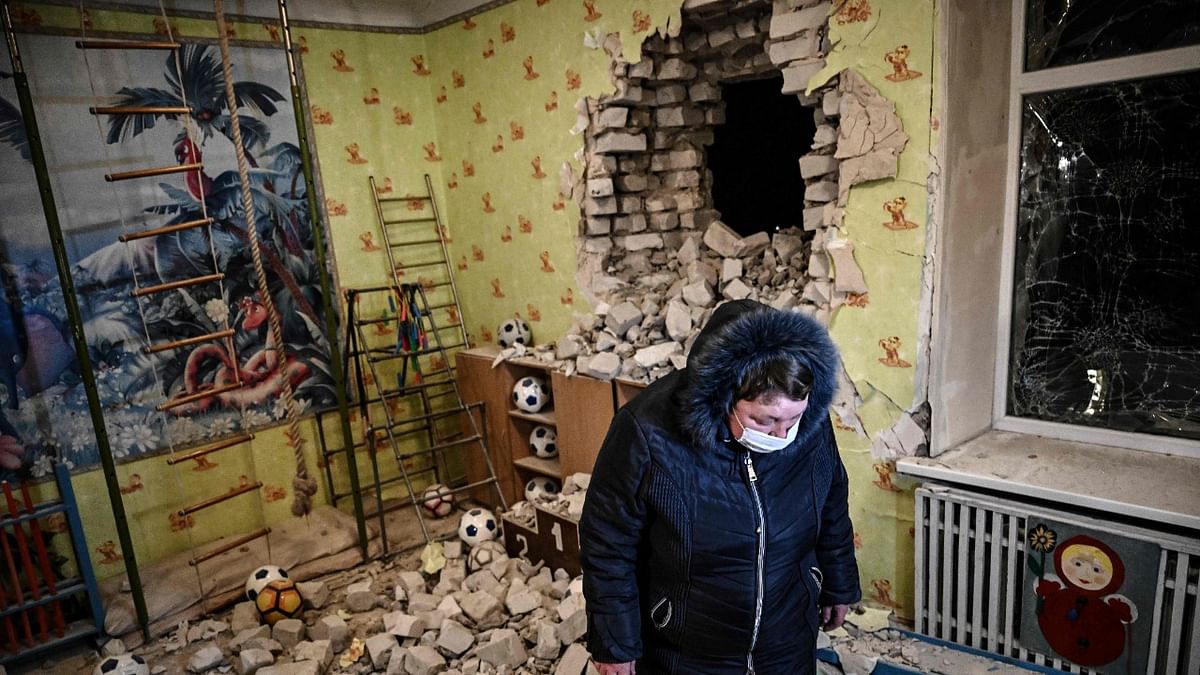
{"x": 508, "y": 617}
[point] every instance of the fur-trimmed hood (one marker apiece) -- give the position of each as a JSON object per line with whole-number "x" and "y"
{"x": 739, "y": 336}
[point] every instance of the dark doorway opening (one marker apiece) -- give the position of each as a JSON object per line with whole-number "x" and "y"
{"x": 755, "y": 155}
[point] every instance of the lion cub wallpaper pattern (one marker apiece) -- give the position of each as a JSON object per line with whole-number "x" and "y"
{"x": 44, "y": 402}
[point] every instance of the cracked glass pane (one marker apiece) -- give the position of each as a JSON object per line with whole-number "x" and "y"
{"x": 1106, "y": 301}
{"x": 1063, "y": 32}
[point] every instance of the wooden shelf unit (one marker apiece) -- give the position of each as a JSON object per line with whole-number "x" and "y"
{"x": 580, "y": 410}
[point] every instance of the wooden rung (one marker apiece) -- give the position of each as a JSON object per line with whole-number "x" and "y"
{"x": 183, "y": 400}
{"x": 187, "y": 342}
{"x": 165, "y": 229}
{"x": 409, "y": 220}
{"x": 208, "y": 449}
{"x": 182, "y": 283}
{"x": 125, "y": 44}
{"x": 140, "y": 110}
{"x": 232, "y": 544}
{"x": 213, "y": 501}
{"x": 157, "y": 171}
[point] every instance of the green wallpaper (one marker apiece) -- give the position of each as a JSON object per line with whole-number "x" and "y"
{"x": 506, "y": 84}
{"x": 885, "y": 220}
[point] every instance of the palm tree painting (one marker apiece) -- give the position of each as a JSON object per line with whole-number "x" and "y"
{"x": 118, "y": 327}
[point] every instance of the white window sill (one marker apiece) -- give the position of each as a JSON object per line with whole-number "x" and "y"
{"x": 1152, "y": 486}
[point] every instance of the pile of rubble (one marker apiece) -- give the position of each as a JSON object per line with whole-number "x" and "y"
{"x": 510, "y": 616}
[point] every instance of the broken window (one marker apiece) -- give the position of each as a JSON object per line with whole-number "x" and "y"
{"x": 755, "y": 156}
{"x": 1063, "y": 32}
{"x": 1106, "y": 298}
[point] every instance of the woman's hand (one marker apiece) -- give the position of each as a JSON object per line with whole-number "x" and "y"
{"x": 833, "y": 616}
{"x": 12, "y": 453}
{"x": 615, "y": 668}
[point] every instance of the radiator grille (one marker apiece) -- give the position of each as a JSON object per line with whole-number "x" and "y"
{"x": 970, "y": 552}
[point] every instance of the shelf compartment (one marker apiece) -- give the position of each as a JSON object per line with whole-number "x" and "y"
{"x": 546, "y": 417}
{"x": 545, "y": 467}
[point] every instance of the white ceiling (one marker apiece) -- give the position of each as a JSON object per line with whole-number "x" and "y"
{"x": 388, "y": 13}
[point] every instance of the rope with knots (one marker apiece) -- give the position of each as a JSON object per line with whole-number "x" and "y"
{"x": 303, "y": 486}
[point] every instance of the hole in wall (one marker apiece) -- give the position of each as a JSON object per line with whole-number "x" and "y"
{"x": 754, "y": 157}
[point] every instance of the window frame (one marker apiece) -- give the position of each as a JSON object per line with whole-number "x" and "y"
{"x": 1022, "y": 83}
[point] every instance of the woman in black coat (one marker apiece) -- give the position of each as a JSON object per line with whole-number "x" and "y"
{"x": 715, "y": 536}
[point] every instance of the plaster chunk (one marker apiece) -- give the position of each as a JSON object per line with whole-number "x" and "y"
{"x": 604, "y": 366}
{"x": 818, "y": 265}
{"x": 721, "y": 37}
{"x": 753, "y": 245}
{"x": 737, "y": 290}
{"x": 676, "y": 69}
{"x": 785, "y": 301}
{"x": 689, "y": 251}
{"x": 848, "y": 277}
{"x": 573, "y": 627}
{"x": 731, "y": 268}
{"x": 422, "y": 660}
{"x": 622, "y": 317}
{"x": 251, "y": 660}
{"x": 505, "y": 649}
{"x": 403, "y": 625}
{"x": 698, "y": 294}
{"x": 787, "y": 24}
{"x": 678, "y": 116}
{"x": 244, "y": 616}
{"x": 619, "y": 141}
{"x": 205, "y": 659}
{"x": 704, "y": 91}
{"x": 548, "y": 645}
{"x": 797, "y": 75}
{"x": 481, "y": 606}
{"x": 288, "y": 632}
{"x": 870, "y": 137}
{"x": 678, "y": 321}
{"x": 648, "y": 357}
{"x": 332, "y": 629}
{"x": 573, "y": 661}
{"x": 821, "y": 191}
{"x": 626, "y": 93}
{"x": 319, "y": 650}
{"x": 805, "y": 46}
{"x": 639, "y": 242}
{"x": 454, "y": 637}
{"x": 722, "y": 239}
{"x": 612, "y": 117}
{"x": 786, "y": 245}
{"x": 703, "y": 270}
{"x": 812, "y": 166}
{"x": 824, "y": 136}
{"x": 664, "y": 221}
{"x": 671, "y": 94}
{"x": 600, "y": 187}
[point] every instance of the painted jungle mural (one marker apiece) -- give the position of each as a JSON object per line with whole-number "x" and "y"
{"x": 44, "y": 403}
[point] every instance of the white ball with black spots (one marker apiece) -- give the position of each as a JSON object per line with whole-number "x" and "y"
{"x": 530, "y": 394}
{"x": 541, "y": 489}
{"x": 122, "y": 664}
{"x": 262, "y": 576}
{"x": 543, "y": 441}
{"x": 485, "y": 554}
{"x": 477, "y": 526}
{"x": 514, "y": 332}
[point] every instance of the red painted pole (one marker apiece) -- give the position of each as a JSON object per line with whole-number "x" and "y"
{"x": 16, "y": 584}
{"x": 26, "y": 561}
{"x": 43, "y": 555}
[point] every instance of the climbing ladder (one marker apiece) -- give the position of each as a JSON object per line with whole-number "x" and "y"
{"x": 407, "y": 392}
{"x": 145, "y": 293}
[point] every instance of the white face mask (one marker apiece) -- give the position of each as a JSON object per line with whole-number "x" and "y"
{"x": 757, "y": 441}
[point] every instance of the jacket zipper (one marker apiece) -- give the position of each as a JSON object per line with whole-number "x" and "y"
{"x": 762, "y": 545}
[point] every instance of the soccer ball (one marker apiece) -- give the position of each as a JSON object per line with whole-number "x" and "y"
{"x": 543, "y": 440}
{"x": 122, "y": 664}
{"x": 485, "y": 554}
{"x": 531, "y": 394}
{"x": 477, "y": 526}
{"x": 279, "y": 600}
{"x": 262, "y": 576}
{"x": 541, "y": 488}
{"x": 437, "y": 500}
{"x": 513, "y": 332}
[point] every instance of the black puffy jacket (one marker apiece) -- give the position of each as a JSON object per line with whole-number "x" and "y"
{"x": 699, "y": 556}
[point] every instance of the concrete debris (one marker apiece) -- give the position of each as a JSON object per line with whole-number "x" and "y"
{"x": 870, "y": 137}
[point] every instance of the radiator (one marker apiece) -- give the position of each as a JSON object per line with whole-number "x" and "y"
{"x": 970, "y": 563}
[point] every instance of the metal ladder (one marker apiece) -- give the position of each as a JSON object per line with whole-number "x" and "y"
{"x": 142, "y": 293}
{"x": 426, "y": 368}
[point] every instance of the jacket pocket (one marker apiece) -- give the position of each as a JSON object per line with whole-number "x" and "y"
{"x": 660, "y": 613}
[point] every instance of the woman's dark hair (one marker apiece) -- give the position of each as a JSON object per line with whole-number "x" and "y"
{"x": 776, "y": 376}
